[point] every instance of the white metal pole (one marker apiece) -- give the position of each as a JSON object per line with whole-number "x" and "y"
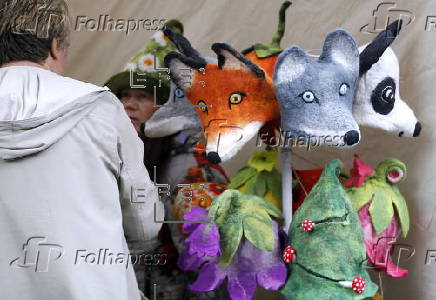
{"x": 286, "y": 158}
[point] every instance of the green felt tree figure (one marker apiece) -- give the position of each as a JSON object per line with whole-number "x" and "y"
{"x": 327, "y": 241}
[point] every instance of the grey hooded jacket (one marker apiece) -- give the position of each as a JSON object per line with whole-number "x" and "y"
{"x": 73, "y": 189}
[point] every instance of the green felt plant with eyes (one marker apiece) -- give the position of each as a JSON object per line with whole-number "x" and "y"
{"x": 326, "y": 248}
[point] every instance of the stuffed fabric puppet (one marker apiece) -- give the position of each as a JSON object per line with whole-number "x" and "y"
{"x": 177, "y": 113}
{"x": 235, "y": 103}
{"x": 316, "y": 96}
{"x": 234, "y": 98}
{"x": 241, "y": 244}
{"x": 382, "y": 211}
{"x": 378, "y": 103}
{"x": 326, "y": 249}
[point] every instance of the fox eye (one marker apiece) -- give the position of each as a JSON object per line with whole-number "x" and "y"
{"x": 203, "y": 106}
{"x": 343, "y": 89}
{"x": 236, "y": 98}
{"x": 309, "y": 97}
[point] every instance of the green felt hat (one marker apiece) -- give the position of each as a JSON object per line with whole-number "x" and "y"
{"x": 142, "y": 71}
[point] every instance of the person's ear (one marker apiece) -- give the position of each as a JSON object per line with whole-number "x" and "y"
{"x": 57, "y": 58}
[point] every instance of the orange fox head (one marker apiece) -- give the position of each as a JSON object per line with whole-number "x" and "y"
{"x": 233, "y": 98}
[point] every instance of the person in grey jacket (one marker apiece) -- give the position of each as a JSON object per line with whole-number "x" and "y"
{"x": 73, "y": 187}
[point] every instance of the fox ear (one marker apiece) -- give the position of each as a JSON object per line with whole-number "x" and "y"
{"x": 229, "y": 58}
{"x": 340, "y": 47}
{"x": 182, "y": 69}
{"x": 291, "y": 63}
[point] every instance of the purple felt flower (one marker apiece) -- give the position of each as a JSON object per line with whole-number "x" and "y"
{"x": 204, "y": 238}
{"x": 249, "y": 267}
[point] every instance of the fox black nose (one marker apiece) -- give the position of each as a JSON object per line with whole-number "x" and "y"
{"x": 351, "y": 137}
{"x": 213, "y": 157}
{"x": 418, "y": 128}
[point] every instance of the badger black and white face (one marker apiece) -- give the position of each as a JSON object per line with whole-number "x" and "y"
{"x": 378, "y": 103}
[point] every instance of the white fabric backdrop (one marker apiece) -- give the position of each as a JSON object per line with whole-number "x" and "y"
{"x": 95, "y": 55}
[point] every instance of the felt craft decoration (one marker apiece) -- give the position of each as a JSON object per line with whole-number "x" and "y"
{"x": 260, "y": 177}
{"x": 241, "y": 223}
{"x": 378, "y": 102}
{"x": 383, "y": 213}
{"x": 330, "y": 259}
{"x": 234, "y": 98}
{"x": 265, "y": 55}
{"x": 316, "y": 96}
{"x": 229, "y": 122}
{"x": 177, "y": 113}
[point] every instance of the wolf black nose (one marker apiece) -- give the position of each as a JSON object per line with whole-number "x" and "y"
{"x": 351, "y": 137}
{"x": 213, "y": 158}
{"x": 418, "y": 128}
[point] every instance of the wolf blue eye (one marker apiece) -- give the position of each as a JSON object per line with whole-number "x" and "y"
{"x": 308, "y": 97}
{"x": 343, "y": 89}
{"x": 179, "y": 93}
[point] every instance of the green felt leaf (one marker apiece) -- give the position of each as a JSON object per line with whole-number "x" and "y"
{"x": 260, "y": 186}
{"x": 274, "y": 184}
{"x": 220, "y": 208}
{"x": 267, "y": 50}
{"x": 258, "y": 230}
{"x": 264, "y": 160}
{"x": 359, "y": 197}
{"x": 250, "y": 185}
{"x": 241, "y": 177}
{"x": 231, "y": 234}
{"x": 402, "y": 210}
{"x": 263, "y": 205}
{"x": 381, "y": 210}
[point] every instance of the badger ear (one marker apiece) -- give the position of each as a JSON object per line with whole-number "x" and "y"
{"x": 182, "y": 69}
{"x": 340, "y": 47}
{"x": 374, "y": 50}
{"x": 291, "y": 63}
{"x": 229, "y": 58}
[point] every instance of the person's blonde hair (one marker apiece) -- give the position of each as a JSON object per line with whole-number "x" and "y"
{"x": 28, "y": 27}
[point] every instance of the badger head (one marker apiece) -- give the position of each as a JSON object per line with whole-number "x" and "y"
{"x": 377, "y": 102}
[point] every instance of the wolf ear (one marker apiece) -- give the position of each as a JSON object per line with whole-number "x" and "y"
{"x": 182, "y": 68}
{"x": 183, "y": 45}
{"x": 372, "y": 53}
{"x": 291, "y": 63}
{"x": 340, "y": 47}
{"x": 229, "y": 58}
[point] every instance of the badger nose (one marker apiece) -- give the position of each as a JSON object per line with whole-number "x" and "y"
{"x": 213, "y": 158}
{"x": 351, "y": 137}
{"x": 418, "y": 128}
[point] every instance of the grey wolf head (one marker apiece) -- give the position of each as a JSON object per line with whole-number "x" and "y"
{"x": 378, "y": 103}
{"x": 316, "y": 96}
{"x": 177, "y": 113}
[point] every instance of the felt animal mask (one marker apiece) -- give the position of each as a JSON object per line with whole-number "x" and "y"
{"x": 177, "y": 113}
{"x": 234, "y": 98}
{"x": 378, "y": 103}
{"x": 316, "y": 96}
{"x": 327, "y": 245}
